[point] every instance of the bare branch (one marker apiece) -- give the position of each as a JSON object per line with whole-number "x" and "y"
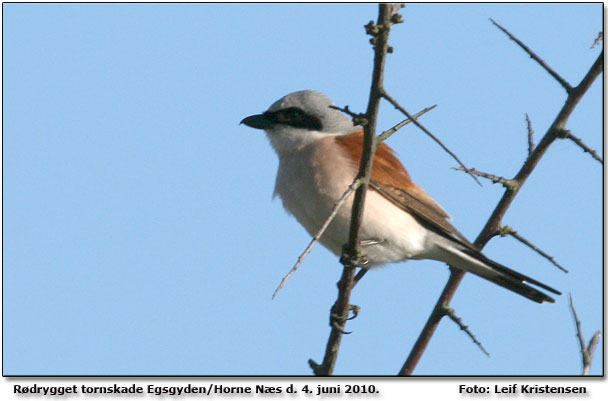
{"x": 432, "y": 323}
{"x": 426, "y": 131}
{"x": 579, "y": 332}
{"x": 591, "y": 350}
{"x": 566, "y": 134}
{"x": 586, "y": 351}
{"x": 540, "y": 61}
{"x": 506, "y": 230}
{"x": 346, "y": 110}
{"x": 452, "y": 315}
{"x": 494, "y": 221}
{"x": 353, "y": 255}
{"x": 358, "y": 118}
{"x": 530, "y": 135}
{"x": 351, "y": 188}
{"x": 598, "y": 40}
{"x": 387, "y": 134}
{"x": 507, "y": 183}
{"x": 360, "y": 275}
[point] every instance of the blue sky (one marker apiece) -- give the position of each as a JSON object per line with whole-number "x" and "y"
{"x": 139, "y": 232}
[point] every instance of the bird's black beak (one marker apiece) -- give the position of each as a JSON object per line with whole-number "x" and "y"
{"x": 259, "y": 121}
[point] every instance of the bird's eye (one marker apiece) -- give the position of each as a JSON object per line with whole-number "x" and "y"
{"x": 296, "y": 118}
{"x": 289, "y": 115}
{"x": 294, "y": 113}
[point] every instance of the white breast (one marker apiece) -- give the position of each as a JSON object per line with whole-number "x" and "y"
{"x": 310, "y": 181}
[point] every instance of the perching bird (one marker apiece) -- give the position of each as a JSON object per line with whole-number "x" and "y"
{"x": 319, "y": 151}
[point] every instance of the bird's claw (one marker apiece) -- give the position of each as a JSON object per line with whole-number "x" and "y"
{"x": 337, "y": 322}
{"x": 353, "y": 258}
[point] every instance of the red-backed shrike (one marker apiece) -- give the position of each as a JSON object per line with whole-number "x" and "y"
{"x": 319, "y": 152}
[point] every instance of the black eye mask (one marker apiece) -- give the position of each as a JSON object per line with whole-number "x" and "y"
{"x": 295, "y": 117}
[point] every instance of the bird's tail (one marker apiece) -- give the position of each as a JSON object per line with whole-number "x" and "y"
{"x": 478, "y": 264}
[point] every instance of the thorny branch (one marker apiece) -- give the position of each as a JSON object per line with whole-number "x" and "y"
{"x": 530, "y": 135}
{"x": 506, "y": 230}
{"x": 351, "y": 188}
{"x": 505, "y": 182}
{"x": 391, "y": 100}
{"x": 587, "y": 351}
{"x": 598, "y": 40}
{"x": 566, "y": 134}
{"x": 493, "y": 224}
{"x": 352, "y": 255}
{"x": 449, "y": 312}
{"x": 540, "y": 61}
{"x": 387, "y": 134}
{"x": 358, "y": 119}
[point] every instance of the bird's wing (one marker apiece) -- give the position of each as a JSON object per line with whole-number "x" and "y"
{"x": 391, "y": 179}
{"x": 414, "y": 201}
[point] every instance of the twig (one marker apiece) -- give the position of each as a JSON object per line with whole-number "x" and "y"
{"x": 360, "y": 275}
{"x": 338, "y": 317}
{"x": 600, "y": 37}
{"x": 426, "y": 131}
{"x": 358, "y": 119}
{"x": 351, "y": 188}
{"x": 506, "y": 230}
{"x": 533, "y": 55}
{"x": 452, "y": 315}
{"x": 591, "y": 349}
{"x": 579, "y": 332}
{"x": 494, "y": 221}
{"x": 530, "y": 135}
{"x": 346, "y": 110}
{"x": 352, "y": 255}
{"x": 507, "y": 183}
{"x": 566, "y": 134}
{"x": 386, "y": 134}
{"x": 586, "y": 351}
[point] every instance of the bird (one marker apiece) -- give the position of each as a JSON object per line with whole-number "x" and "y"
{"x": 319, "y": 150}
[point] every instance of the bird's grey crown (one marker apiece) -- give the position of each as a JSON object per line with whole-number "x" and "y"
{"x": 317, "y": 104}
